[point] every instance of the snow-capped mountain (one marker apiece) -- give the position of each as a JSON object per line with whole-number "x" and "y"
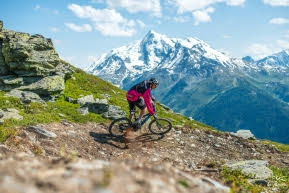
{"x": 155, "y": 52}
{"x": 174, "y": 55}
{"x": 276, "y": 62}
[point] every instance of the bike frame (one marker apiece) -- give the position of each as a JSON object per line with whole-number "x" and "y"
{"x": 146, "y": 117}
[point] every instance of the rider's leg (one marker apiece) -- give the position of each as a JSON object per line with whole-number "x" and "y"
{"x": 142, "y": 106}
{"x": 130, "y": 116}
{"x": 132, "y": 109}
{"x": 142, "y": 112}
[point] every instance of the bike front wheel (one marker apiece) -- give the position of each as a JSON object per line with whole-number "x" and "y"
{"x": 118, "y": 126}
{"x": 160, "y": 126}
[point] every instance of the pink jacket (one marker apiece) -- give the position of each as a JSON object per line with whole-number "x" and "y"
{"x": 133, "y": 95}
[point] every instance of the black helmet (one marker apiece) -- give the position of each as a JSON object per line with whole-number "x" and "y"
{"x": 154, "y": 81}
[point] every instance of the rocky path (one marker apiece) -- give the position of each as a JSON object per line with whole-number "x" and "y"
{"x": 85, "y": 158}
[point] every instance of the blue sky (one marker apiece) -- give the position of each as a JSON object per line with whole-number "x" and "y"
{"x": 81, "y": 30}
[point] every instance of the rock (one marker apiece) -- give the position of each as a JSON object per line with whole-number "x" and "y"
{"x": 103, "y": 101}
{"x": 25, "y": 97}
{"x": 46, "y": 86}
{"x": 10, "y": 113}
{"x": 89, "y": 165}
{"x": 9, "y": 82}
{"x": 65, "y": 70}
{"x": 114, "y": 112}
{"x": 30, "y": 63}
{"x": 97, "y": 108}
{"x": 179, "y": 132}
{"x": 256, "y": 167}
{"x": 71, "y": 100}
{"x": 27, "y": 55}
{"x": 86, "y": 99}
{"x": 245, "y": 134}
{"x": 4, "y": 149}
{"x": 41, "y": 131}
{"x": 10, "y": 184}
{"x": 261, "y": 182}
{"x": 83, "y": 110}
{"x": 61, "y": 115}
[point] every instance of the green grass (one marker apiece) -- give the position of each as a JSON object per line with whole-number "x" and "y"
{"x": 183, "y": 183}
{"x": 238, "y": 181}
{"x": 280, "y": 146}
{"x": 280, "y": 179}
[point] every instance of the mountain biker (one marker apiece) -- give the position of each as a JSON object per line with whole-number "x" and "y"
{"x": 140, "y": 95}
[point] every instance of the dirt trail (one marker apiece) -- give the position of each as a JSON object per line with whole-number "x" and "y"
{"x": 88, "y": 157}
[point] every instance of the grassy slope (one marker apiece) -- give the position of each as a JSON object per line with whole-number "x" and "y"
{"x": 81, "y": 84}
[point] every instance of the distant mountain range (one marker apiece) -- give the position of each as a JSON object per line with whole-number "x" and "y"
{"x": 208, "y": 85}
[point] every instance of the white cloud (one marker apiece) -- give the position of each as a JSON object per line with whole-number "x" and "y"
{"x": 181, "y": 19}
{"x": 259, "y": 51}
{"x": 283, "y": 44}
{"x": 279, "y": 21}
{"x": 192, "y": 5}
{"x": 134, "y": 6}
{"x": 235, "y": 2}
{"x": 114, "y": 29}
{"x": 202, "y": 16}
{"x": 106, "y": 21}
{"x": 37, "y": 7}
{"x": 55, "y": 29}
{"x": 277, "y": 2}
{"x": 79, "y": 28}
{"x": 142, "y": 24}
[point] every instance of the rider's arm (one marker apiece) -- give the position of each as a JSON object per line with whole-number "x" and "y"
{"x": 147, "y": 99}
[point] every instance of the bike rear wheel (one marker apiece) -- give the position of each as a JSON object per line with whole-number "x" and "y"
{"x": 160, "y": 126}
{"x": 118, "y": 126}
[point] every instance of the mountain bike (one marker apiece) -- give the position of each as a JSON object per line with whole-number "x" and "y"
{"x": 159, "y": 126}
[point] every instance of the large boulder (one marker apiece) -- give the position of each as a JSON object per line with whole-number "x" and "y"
{"x": 27, "y": 55}
{"x": 257, "y": 168}
{"x": 113, "y": 112}
{"x": 30, "y": 63}
{"x": 98, "y": 106}
{"x": 46, "y": 86}
{"x": 25, "y": 97}
{"x": 245, "y": 134}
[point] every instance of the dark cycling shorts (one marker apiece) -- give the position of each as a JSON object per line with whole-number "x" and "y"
{"x": 139, "y": 103}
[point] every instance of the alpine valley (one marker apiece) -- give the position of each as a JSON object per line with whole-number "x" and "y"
{"x": 205, "y": 84}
